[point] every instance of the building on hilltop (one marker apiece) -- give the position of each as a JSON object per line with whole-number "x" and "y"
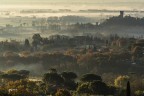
{"x": 121, "y": 14}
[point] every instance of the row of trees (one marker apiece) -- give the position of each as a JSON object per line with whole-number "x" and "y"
{"x": 66, "y": 84}
{"x": 124, "y": 54}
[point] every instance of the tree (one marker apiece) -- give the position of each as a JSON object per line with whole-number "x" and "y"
{"x": 34, "y": 43}
{"x": 69, "y": 78}
{"x": 24, "y": 73}
{"x": 69, "y": 75}
{"x": 139, "y": 93}
{"x": 111, "y": 90}
{"x": 53, "y": 81}
{"x": 12, "y": 77}
{"x": 27, "y": 44}
{"x": 83, "y": 88}
{"x": 22, "y": 88}
{"x": 137, "y": 51}
{"x": 52, "y": 78}
{"x": 52, "y": 70}
{"x": 63, "y": 92}
{"x": 37, "y": 37}
{"x": 37, "y": 40}
{"x": 90, "y": 78}
{"x": 128, "y": 89}
{"x": 121, "y": 81}
{"x": 42, "y": 88}
{"x": 98, "y": 88}
{"x": 12, "y": 71}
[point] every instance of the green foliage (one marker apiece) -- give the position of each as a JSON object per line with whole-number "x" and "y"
{"x": 98, "y": 88}
{"x": 63, "y": 92}
{"x": 52, "y": 78}
{"x": 121, "y": 92}
{"x": 84, "y": 88}
{"x": 121, "y": 81}
{"x": 69, "y": 78}
{"x": 137, "y": 51}
{"x": 139, "y": 93}
{"x": 90, "y": 78}
{"x": 69, "y": 75}
{"x": 27, "y": 44}
{"x": 110, "y": 59}
{"x": 4, "y": 93}
{"x": 36, "y": 40}
{"x": 12, "y": 77}
{"x": 112, "y": 90}
{"x": 12, "y": 71}
{"x": 22, "y": 87}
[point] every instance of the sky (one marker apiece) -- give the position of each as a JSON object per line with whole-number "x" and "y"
{"x": 76, "y": 4}
{"x": 65, "y": 1}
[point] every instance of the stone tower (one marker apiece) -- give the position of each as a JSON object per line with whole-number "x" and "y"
{"x": 121, "y": 14}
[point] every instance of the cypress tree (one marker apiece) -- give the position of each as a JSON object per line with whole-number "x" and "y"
{"x": 128, "y": 89}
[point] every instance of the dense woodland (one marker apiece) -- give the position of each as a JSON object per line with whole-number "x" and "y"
{"x": 17, "y": 83}
{"x": 85, "y": 65}
{"x": 72, "y": 66}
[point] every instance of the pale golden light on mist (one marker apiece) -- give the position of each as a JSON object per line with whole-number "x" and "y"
{"x": 73, "y": 5}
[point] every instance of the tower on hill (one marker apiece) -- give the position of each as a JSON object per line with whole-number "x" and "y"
{"x": 121, "y": 14}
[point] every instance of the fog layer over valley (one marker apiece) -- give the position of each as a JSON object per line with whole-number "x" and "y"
{"x": 38, "y": 34}
{"x": 23, "y": 24}
{"x": 71, "y": 48}
{"x": 40, "y": 39}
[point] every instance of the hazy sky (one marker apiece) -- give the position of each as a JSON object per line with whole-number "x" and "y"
{"x": 68, "y": 1}
{"x": 49, "y": 0}
{"x": 87, "y": 4}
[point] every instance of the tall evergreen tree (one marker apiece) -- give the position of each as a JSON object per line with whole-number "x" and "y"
{"x": 128, "y": 89}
